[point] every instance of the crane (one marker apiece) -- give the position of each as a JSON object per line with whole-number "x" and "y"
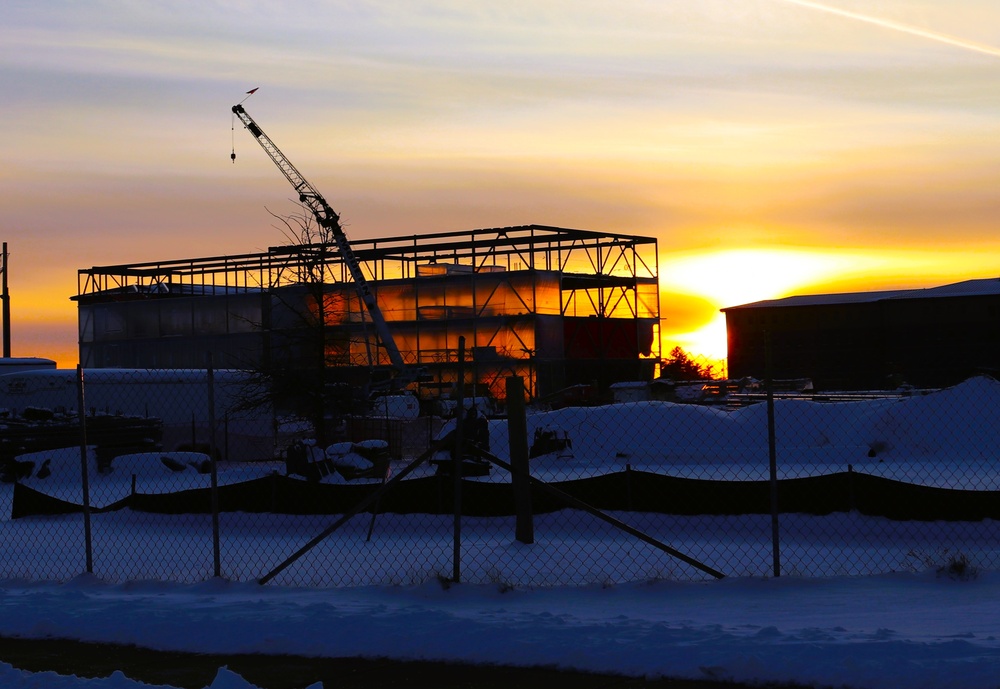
{"x": 328, "y": 219}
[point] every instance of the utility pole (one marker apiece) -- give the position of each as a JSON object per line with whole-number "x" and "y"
{"x": 5, "y": 298}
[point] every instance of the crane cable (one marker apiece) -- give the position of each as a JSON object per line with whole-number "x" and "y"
{"x": 232, "y": 156}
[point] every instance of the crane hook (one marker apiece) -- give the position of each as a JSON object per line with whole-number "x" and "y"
{"x": 232, "y": 156}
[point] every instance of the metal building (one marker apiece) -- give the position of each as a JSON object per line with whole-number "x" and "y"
{"x": 558, "y": 306}
{"x": 871, "y": 340}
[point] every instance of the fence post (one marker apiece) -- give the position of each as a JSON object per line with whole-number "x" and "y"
{"x": 456, "y": 466}
{"x": 217, "y": 560}
{"x": 850, "y": 487}
{"x": 628, "y": 486}
{"x": 517, "y": 434}
{"x": 772, "y": 458}
{"x": 85, "y": 470}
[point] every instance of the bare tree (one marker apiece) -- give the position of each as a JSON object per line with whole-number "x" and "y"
{"x": 293, "y": 373}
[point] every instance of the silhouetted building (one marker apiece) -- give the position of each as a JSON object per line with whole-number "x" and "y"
{"x": 556, "y": 306}
{"x": 871, "y": 340}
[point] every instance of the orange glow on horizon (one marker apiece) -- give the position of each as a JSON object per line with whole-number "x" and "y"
{"x": 731, "y": 277}
{"x": 774, "y": 148}
{"x": 694, "y": 286}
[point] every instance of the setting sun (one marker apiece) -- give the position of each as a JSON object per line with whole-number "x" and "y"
{"x": 730, "y": 277}
{"x": 777, "y": 148}
{"x": 739, "y": 276}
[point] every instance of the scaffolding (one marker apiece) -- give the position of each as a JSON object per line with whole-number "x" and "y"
{"x": 558, "y": 306}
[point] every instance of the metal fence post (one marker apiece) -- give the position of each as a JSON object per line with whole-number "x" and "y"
{"x": 772, "y": 458}
{"x": 457, "y": 455}
{"x": 217, "y": 560}
{"x": 84, "y": 471}
{"x": 628, "y": 486}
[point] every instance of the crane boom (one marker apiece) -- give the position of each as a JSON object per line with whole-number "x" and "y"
{"x": 328, "y": 219}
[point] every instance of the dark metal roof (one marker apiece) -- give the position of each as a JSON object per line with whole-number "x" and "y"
{"x": 967, "y": 288}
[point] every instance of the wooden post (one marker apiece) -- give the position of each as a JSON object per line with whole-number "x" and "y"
{"x": 517, "y": 432}
{"x": 5, "y": 298}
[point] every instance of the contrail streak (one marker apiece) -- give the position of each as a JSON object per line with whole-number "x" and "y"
{"x": 903, "y": 28}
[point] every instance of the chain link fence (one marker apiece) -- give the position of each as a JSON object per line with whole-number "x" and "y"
{"x": 157, "y": 475}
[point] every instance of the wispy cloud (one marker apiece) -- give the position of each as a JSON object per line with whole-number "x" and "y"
{"x": 900, "y": 27}
{"x": 710, "y": 125}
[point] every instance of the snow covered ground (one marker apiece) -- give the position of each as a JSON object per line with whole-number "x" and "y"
{"x": 947, "y": 439}
{"x": 915, "y": 627}
{"x": 907, "y": 631}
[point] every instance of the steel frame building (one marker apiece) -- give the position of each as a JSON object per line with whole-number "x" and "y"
{"x": 557, "y": 306}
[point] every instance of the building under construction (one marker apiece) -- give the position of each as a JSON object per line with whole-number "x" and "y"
{"x": 559, "y": 307}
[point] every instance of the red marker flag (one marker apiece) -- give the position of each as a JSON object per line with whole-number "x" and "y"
{"x": 252, "y": 91}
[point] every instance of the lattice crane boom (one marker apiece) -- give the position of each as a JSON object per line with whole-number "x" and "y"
{"x": 330, "y": 220}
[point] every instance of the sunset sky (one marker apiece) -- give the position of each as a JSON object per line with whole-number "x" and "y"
{"x": 773, "y": 147}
